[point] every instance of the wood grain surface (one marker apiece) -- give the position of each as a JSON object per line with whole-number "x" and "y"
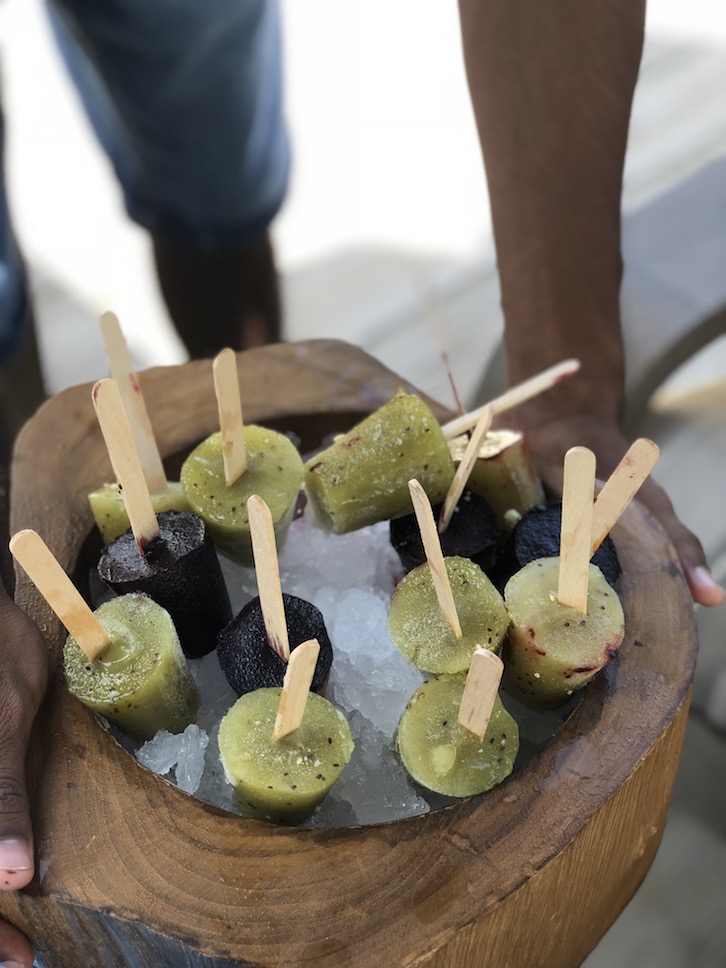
{"x": 134, "y": 872}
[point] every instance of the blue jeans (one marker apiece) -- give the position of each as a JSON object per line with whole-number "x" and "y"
{"x": 185, "y": 97}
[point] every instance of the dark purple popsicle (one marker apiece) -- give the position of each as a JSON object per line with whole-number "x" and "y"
{"x": 180, "y": 571}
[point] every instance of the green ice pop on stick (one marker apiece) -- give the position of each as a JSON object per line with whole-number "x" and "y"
{"x": 566, "y": 621}
{"x": 124, "y": 660}
{"x": 363, "y": 476}
{"x": 454, "y": 736}
{"x": 227, "y": 468}
{"x": 107, "y": 505}
{"x": 442, "y": 610}
{"x": 283, "y": 748}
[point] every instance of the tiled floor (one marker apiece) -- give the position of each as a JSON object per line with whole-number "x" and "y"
{"x": 401, "y": 292}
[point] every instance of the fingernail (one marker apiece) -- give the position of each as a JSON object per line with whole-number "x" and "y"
{"x": 712, "y": 592}
{"x": 12, "y": 964}
{"x": 15, "y": 863}
{"x": 15, "y": 856}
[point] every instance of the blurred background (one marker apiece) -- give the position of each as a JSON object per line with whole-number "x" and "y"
{"x": 385, "y": 241}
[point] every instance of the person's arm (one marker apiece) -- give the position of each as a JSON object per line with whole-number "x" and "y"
{"x": 23, "y": 681}
{"x": 552, "y": 84}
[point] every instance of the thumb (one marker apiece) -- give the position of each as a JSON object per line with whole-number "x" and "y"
{"x": 23, "y": 679}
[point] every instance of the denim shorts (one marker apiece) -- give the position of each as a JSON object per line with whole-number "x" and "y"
{"x": 185, "y": 96}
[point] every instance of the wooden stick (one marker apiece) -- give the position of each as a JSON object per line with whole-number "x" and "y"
{"x": 295, "y": 688}
{"x": 434, "y": 555}
{"x": 128, "y": 383}
{"x": 44, "y": 570}
{"x": 264, "y": 551}
{"x": 621, "y": 487}
{"x": 519, "y": 394}
{"x": 480, "y": 691}
{"x": 229, "y": 405}
{"x": 125, "y": 462}
{"x": 578, "y": 490}
{"x": 465, "y": 467}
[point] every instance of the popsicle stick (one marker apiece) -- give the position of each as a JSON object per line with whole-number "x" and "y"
{"x": 128, "y": 383}
{"x": 229, "y": 405}
{"x": 465, "y": 467}
{"x": 125, "y": 462}
{"x": 295, "y": 688}
{"x": 434, "y": 555}
{"x": 513, "y": 397}
{"x": 621, "y": 487}
{"x": 480, "y": 691}
{"x": 44, "y": 570}
{"x": 578, "y": 491}
{"x": 264, "y": 551}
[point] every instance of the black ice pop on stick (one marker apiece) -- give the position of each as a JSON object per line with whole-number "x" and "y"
{"x": 255, "y": 647}
{"x": 170, "y": 557}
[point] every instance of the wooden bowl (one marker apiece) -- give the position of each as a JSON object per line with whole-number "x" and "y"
{"x": 134, "y": 872}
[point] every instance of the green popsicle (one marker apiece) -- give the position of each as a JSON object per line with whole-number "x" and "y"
{"x": 443, "y": 756}
{"x": 282, "y": 781}
{"x": 363, "y": 476}
{"x": 274, "y": 471}
{"x": 503, "y": 473}
{"x": 552, "y": 650}
{"x": 109, "y": 511}
{"x": 141, "y": 681}
{"x": 419, "y": 630}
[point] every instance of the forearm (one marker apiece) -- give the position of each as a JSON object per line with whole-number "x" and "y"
{"x": 551, "y": 85}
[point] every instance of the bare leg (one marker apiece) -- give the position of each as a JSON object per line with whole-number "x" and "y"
{"x": 219, "y": 300}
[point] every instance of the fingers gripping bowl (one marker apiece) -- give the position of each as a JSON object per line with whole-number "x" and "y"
{"x": 193, "y": 882}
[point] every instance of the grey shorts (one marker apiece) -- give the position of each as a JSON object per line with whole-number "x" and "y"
{"x": 186, "y": 98}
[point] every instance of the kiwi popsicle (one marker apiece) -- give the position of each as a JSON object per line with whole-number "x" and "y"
{"x": 141, "y": 681}
{"x": 443, "y": 610}
{"x": 124, "y": 660}
{"x": 227, "y": 468}
{"x": 282, "y": 781}
{"x": 107, "y": 505}
{"x": 441, "y": 755}
{"x": 503, "y": 473}
{"x": 552, "y": 650}
{"x": 363, "y": 476}
{"x": 109, "y": 511}
{"x": 419, "y": 630}
{"x": 566, "y": 621}
{"x": 274, "y": 471}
